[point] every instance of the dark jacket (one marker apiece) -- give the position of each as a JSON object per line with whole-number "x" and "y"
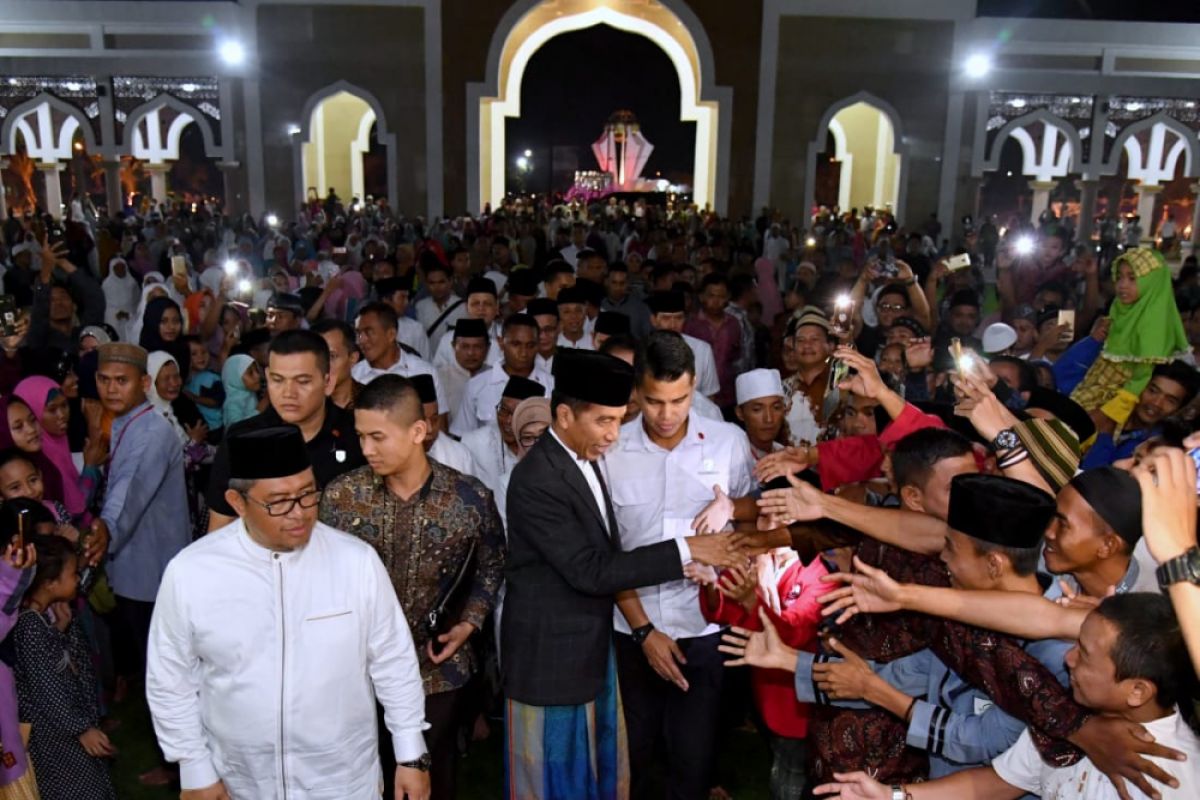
{"x": 562, "y": 573}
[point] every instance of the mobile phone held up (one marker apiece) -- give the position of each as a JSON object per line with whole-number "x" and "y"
{"x": 8, "y": 315}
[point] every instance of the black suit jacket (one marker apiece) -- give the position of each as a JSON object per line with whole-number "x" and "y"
{"x": 562, "y": 573}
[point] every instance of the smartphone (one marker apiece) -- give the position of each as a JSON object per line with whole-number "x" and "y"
{"x": 339, "y": 251}
{"x": 179, "y": 266}
{"x": 1066, "y": 316}
{"x": 19, "y": 538}
{"x": 960, "y": 261}
{"x": 8, "y": 315}
{"x": 956, "y": 352}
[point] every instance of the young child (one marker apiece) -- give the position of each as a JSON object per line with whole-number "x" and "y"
{"x": 21, "y": 478}
{"x": 242, "y": 381}
{"x": 16, "y": 571}
{"x": 56, "y": 685}
{"x": 204, "y": 388}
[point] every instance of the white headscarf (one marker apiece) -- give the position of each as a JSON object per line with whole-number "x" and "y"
{"x": 120, "y": 294}
{"x": 154, "y": 364}
{"x": 153, "y": 281}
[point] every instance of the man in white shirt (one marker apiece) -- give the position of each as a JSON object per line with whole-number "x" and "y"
{"x": 395, "y": 292}
{"x": 438, "y": 311}
{"x": 482, "y": 303}
{"x": 667, "y": 314}
{"x": 439, "y": 445}
{"x": 270, "y": 623}
{"x": 559, "y": 275}
{"x": 493, "y": 447}
{"x": 663, "y": 473}
{"x": 482, "y": 394}
{"x": 375, "y": 332}
{"x": 570, "y": 253}
{"x": 572, "y": 315}
{"x": 545, "y": 313}
{"x": 470, "y": 342}
{"x": 1131, "y": 663}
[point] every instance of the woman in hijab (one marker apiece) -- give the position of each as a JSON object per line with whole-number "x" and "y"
{"x": 768, "y": 290}
{"x": 167, "y": 397}
{"x": 151, "y": 290}
{"x": 49, "y": 405}
{"x": 197, "y": 306}
{"x": 162, "y": 329}
{"x": 1145, "y": 331}
{"x": 241, "y": 380}
{"x": 19, "y": 428}
{"x": 121, "y": 297}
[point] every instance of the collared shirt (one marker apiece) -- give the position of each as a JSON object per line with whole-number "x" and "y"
{"x": 423, "y": 542}
{"x": 483, "y": 394}
{"x": 429, "y": 311}
{"x": 635, "y": 309}
{"x": 657, "y": 493}
{"x": 1135, "y": 578}
{"x": 813, "y": 391}
{"x": 490, "y": 456}
{"x": 410, "y": 332}
{"x": 454, "y": 381}
{"x": 248, "y": 646}
{"x": 445, "y": 350}
{"x": 406, "y": 366}
{"x": 333, "y": 450}
{"x": 707, "y": 382}
{"x": 726, "y": 343}
{"x": 145, "y": 503}
{"x": 584, "y": 343}
{"x": 450, "y": 452}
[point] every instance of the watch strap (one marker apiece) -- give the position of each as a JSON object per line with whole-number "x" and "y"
{"x": 1184, "y": 567}
{"x": 640, "y": 634}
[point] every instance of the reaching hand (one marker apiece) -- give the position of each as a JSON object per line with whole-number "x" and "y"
{"x": 758, "y": 648}
{"x": 918, "y": 354}
{"x": 662, "y": 652}
{"x": 412, "y": 784}
{"x": 787, "y": 461}
{"x": 802, "y": 502}
{"x": 1168, "y": 480}
{"x": 95, "y": 449}
{"x": 451, "y": 641}
{"x": 867, "y": 382}
{"x": 847, "y": 679}
{"x": 13, "y": 343}
{"x": 868, "y": 590}
{"x": 715, "y": 549}
{"x": 197, "y": 432}
{"x": 739, "y": 584}
{"x": 20, "y": 557}
{"x": 980, "y": 405}
{"x": 1100, "y": 329}
{"x": 716, "y": 515}
{"x": 1116, "y": 747}
{"x": 96, "y": 744}
{"x": 700, "y": 574}
{"x": 97, "y": 543}
{"x": 854, "y": 786}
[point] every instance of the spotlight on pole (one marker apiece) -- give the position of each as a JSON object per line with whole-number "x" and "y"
{"x": 232, "y": 52}
{"x": 977, "y": 65}
{"x": 529, "y": 154}
{"x": 522, "y": 163}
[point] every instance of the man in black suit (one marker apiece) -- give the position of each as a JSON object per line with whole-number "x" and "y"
{"x": 564, "y": 566}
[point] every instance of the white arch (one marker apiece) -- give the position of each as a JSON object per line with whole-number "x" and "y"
{"x": 388, "y": 140}
{"x": 898, "y": 147}
{"x": 1152, "y": 167}
{"x": 359, "y": 148}
{"x": 151, "y": 108}
{"x": 150, "y": 145}
{"x": 490, "y": 103}
{"x": 842, "y": 154}
{"x": 1048, "y": 162}
{"x": 44, "y": 143}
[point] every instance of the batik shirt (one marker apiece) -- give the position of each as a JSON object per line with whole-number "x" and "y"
{"x": 423, "y": 542}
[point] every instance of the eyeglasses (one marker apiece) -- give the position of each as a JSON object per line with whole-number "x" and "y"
{"x": 529, "y": 440}
{"x": 503, "y": 410}
{"x": 281, "y": 508}
{"x": 891, "y": 307}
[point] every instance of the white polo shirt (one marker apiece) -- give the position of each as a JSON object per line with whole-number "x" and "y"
{"x": 407, "y": 366}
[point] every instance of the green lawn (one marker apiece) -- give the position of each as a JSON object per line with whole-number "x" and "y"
{"x": 743, "y": 765}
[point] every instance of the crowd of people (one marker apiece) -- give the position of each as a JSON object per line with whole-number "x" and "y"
{"x": 338, "y": 495}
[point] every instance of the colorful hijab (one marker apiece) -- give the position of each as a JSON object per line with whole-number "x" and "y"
{"x": 194, "y": 318}
{"x": 51, "y": 478}
{"x": 240, "y": 402}
{"x": 768, "y": 290}
{"x": 152, "y": 340}
{"x": 37, "y": 392}
{"x": 1150, "y": 329}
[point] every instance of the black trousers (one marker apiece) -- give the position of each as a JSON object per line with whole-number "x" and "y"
{"x": 130, "y": 634}
{"x": 660, "y": 718}
{"x": 443, "y": 712}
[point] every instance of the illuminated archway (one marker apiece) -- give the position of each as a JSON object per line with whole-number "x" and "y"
{"x": 869, "y": 144}
{"x": 531, "y": 23}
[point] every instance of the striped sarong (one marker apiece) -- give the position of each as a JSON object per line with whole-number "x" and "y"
{"x": 568, "y": 752}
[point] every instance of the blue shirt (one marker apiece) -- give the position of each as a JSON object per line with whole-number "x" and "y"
{"x": 145, "y": 503}
{"x": 207, "y": 384}
{"x": 1106, "y": 450}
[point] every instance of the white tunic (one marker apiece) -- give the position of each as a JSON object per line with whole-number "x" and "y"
{"x": 490, "y": 456}
{"x": 406, "y": 366}
{"x": 483, "y": 394}
{"x": 263, "y": 668}
{"x": 410, "y": 332}
{"x": 447, "y": 451}
{"x": 444, "y": 354}
{"x": 706, "y": 366}
{"x": 429, "y": 312}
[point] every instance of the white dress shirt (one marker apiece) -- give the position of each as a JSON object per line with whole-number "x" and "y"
{"x": 249, "y": 647}
{"x": 584, "y": 343}
{"x": 706, "y": 366}
{"x": 411, "y": 333}
{"x": 444, "y": 354}
{"x": 453, "y": 454}
{"x": 428, "y": 312}
{"x": 454, "y": 381}
{"x": 406, "y": 366}
{"x": 657, "y": 493}
{"x": 482, "y": 395}
{"x": 490, "y": 456}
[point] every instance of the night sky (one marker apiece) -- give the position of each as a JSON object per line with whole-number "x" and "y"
{"x": 576, "y": 80}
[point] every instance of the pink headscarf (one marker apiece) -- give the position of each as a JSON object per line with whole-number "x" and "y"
{"x": 36, "y": 391}
{"x": 768, "y": 290}
{"x": 346, "y": 299}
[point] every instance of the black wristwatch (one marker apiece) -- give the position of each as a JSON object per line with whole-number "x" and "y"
{"x": 1184, "y": 567}
{"x": 641, "y": 634}
{"x": 1006, "y": 439}
{"x": 423, "y": 763}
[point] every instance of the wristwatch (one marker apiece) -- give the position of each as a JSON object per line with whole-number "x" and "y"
{"x": 1184, "y": 567}
{"x": 423, "y": 763}
{"x": 900, "y": 793}
{"x": 640, "y": 634}
{"x": 1005, "y": 440}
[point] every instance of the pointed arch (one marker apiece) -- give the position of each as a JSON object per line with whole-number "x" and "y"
{"x": 7, "y": 136}
{"x": 304, "y": 135}
{"x": 1191, "y": 163}
{"x": 992, "y": 160}
{"x": 165, "y": 100}
{"x": 899, "y": 148}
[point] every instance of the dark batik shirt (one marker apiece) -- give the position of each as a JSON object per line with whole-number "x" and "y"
{"x": 423, "y": 543}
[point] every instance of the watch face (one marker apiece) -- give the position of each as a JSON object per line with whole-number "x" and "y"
{"x": 1006, "y": 440}
{"x": 1193, "y": 565}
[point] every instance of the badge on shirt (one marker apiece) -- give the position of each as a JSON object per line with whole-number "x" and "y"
{"x": 339, "y": 455}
